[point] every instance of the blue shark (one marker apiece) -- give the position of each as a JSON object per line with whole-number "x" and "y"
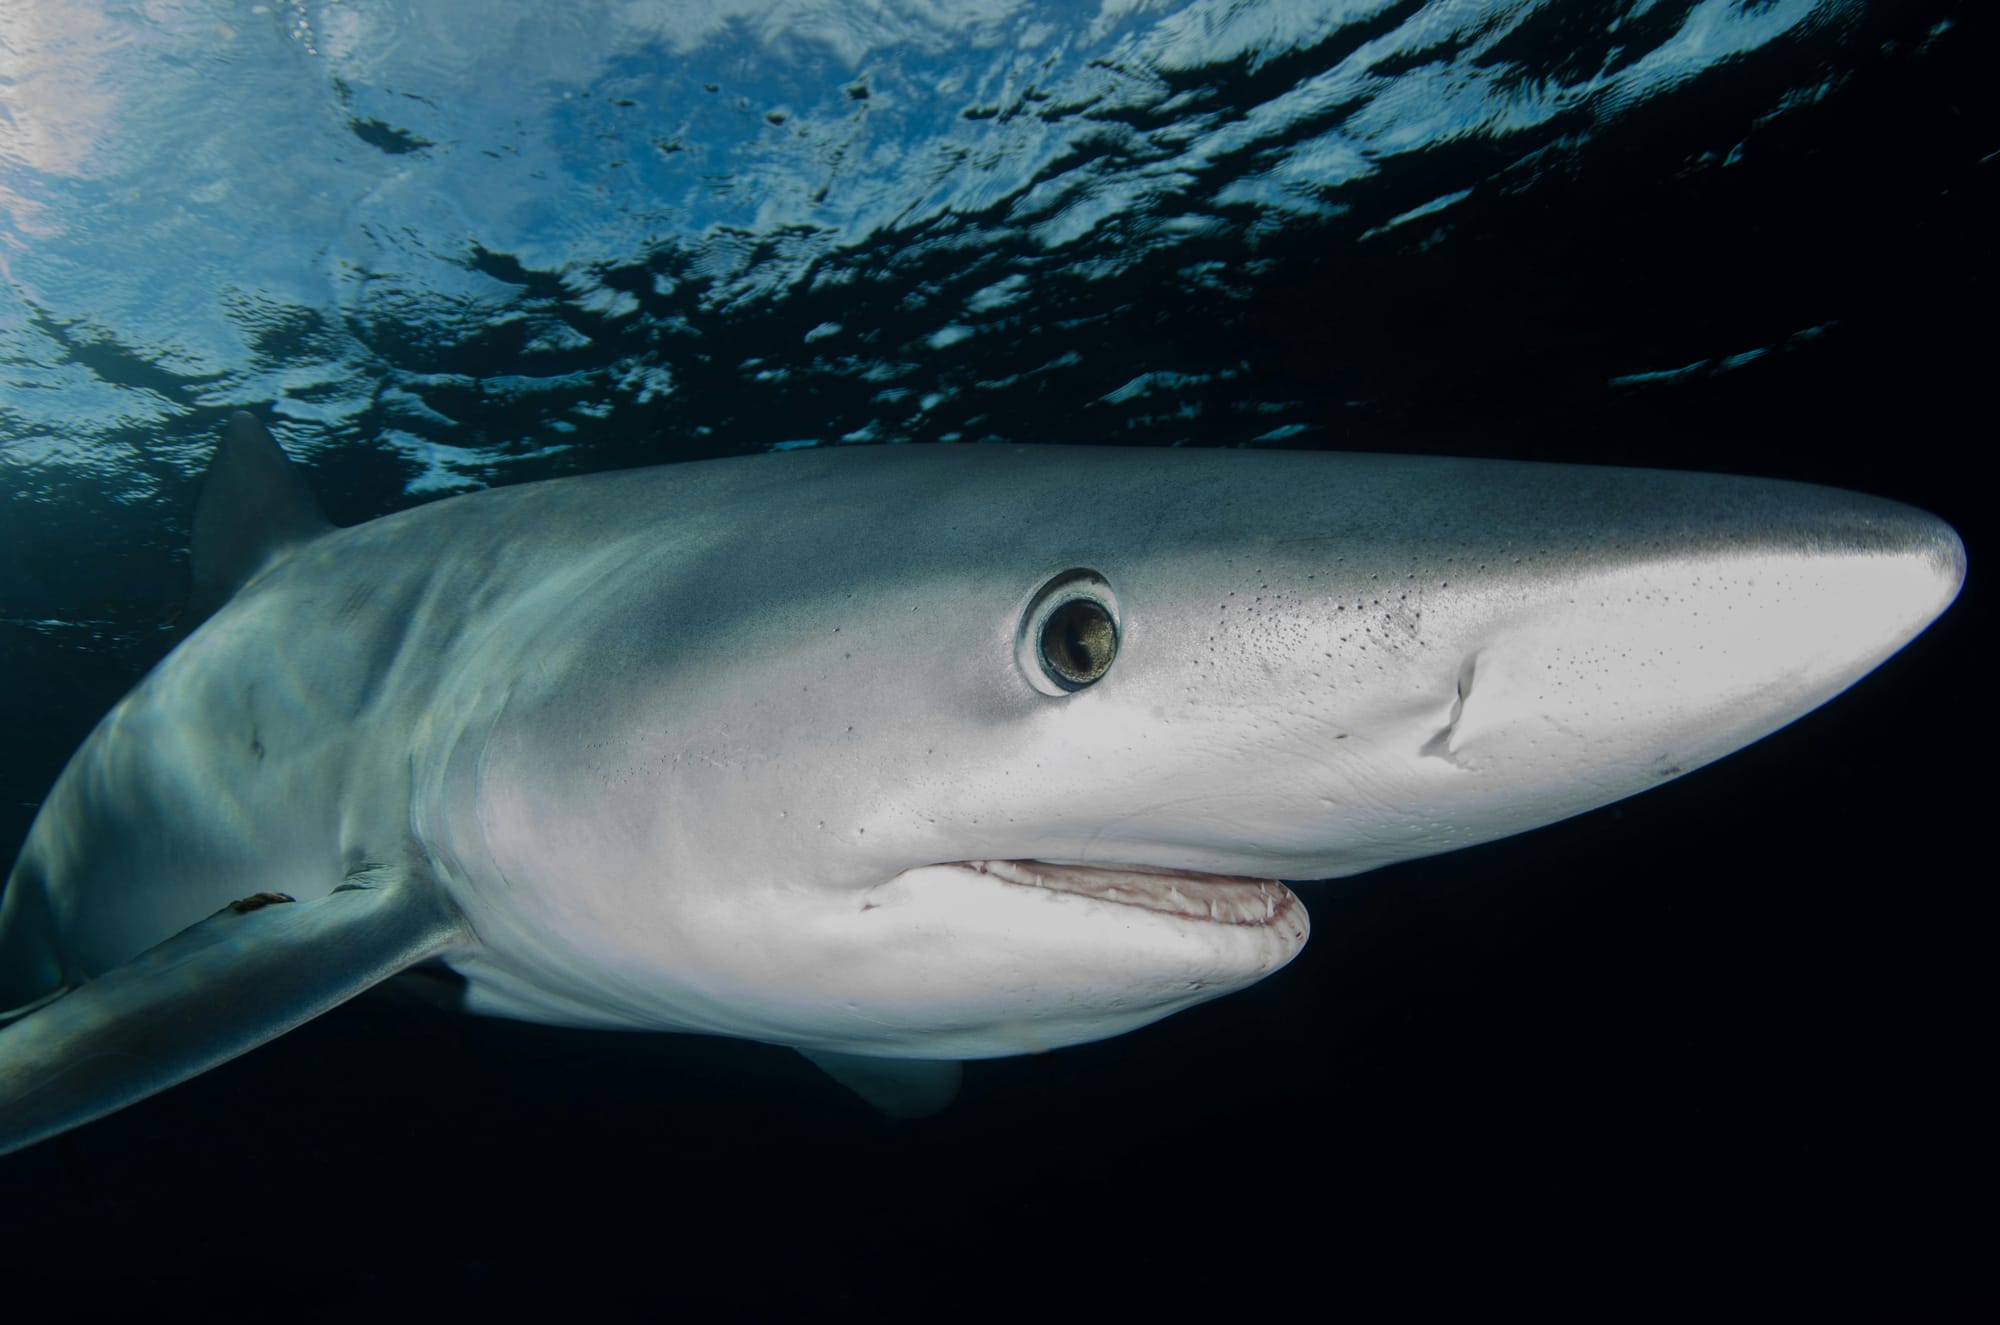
{"x": 898, "y": 756}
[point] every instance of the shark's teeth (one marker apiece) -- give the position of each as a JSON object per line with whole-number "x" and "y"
{"x": 1221, "y": 898}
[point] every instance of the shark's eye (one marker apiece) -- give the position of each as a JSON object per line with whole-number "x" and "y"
{"x": 1079, "y": 640}
{"x": 1069, "y": 633}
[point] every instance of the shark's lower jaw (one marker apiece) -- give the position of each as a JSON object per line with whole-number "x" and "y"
{"x": 1216, "y": 898}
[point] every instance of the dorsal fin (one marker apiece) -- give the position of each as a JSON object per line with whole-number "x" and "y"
{"x": 254, "y": 508}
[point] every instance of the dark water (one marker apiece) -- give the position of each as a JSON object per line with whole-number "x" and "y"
{"x": 1721, "y": 1046}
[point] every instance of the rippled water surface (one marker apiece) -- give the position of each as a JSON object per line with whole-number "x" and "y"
{"x": 476, "y": 236}
{"x": 456, "y": 243}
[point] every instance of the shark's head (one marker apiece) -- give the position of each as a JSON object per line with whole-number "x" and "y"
{"x": 959, "y": 752}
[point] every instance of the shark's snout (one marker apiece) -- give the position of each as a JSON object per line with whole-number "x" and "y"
{"x": 1553, "y": 693}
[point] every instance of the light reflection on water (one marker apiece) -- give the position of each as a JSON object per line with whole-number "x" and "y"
{"x": 349, "y": 208}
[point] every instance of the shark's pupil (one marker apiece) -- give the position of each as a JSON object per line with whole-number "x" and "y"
{"x": 1079, "y": 640}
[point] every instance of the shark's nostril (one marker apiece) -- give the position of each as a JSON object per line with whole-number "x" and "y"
{"x": 1439, "y": 745}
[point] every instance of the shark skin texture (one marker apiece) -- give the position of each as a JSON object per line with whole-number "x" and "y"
{"x": 897, "y": 756}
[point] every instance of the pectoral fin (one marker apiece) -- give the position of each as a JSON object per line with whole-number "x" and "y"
{"x": 247, "y": 974}
{"x": 899, "y": 1087}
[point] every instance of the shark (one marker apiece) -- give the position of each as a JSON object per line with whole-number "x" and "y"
{"x": 898, "y": 756}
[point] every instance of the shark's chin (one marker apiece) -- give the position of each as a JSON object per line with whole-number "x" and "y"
{"x": 1221, "y": 899}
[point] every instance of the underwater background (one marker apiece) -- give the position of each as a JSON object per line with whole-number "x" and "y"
{"x": 1720, "y": 1048}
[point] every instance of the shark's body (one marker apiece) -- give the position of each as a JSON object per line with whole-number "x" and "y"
{"x": 888, "y": 754}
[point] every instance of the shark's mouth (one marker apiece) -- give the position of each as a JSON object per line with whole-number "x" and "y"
{"x": 1219, "y": 898}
